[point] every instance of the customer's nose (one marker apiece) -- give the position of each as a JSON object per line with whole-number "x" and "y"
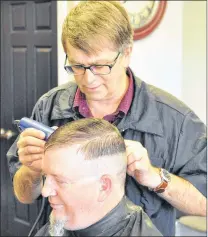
{"x": 48, "y": 188}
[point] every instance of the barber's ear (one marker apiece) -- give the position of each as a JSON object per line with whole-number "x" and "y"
{"x": 127, "y": 56}
{"x": 105, "y": 187}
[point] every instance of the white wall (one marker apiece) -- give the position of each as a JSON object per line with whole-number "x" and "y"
{"x": 172, "y": 57}
{"x": 157, "y": 59}
{"x": 194, "y": 57}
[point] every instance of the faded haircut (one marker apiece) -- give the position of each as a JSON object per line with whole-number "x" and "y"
{"x": 91, "y": 25}
{"x": 96, "y": 138}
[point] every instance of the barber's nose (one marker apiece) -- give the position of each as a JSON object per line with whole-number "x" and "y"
{"x": 89, "y": 77}
{"x": 48, "y": 188}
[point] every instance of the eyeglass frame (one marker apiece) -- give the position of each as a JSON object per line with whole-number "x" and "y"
{"x": 89, "y": 67}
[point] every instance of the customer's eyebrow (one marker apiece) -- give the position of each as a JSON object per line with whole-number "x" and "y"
{"x": 58, "y": 177}
{"x": 54, "y": 174}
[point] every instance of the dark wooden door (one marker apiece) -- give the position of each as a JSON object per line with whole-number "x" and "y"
{"x": 28, "y": 69}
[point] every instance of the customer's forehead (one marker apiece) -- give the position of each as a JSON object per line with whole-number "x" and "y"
{"x": 63, "y": 155}
{"x": 62, "y": 161}
{"x": 67, "y": 163}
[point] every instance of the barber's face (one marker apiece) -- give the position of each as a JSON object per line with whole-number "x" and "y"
{"x": 71, "y": 190}
{"x": 100, "y": 87}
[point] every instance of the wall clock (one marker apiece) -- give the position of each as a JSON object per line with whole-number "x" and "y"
{"x": 145, "y": 16}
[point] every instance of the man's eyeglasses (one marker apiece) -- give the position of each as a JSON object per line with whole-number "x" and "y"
{"x": 77, "y": 69}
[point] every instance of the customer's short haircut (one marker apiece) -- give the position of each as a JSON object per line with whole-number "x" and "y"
{"x": 96, "y": 138}
{"x": 91, "y": 25}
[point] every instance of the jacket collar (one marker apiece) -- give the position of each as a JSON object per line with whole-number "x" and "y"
{"x": 63, "y": 106}
{"x": 143, "y": 114}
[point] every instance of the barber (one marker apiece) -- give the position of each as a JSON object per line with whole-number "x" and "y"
{"x": 166, "y": 141}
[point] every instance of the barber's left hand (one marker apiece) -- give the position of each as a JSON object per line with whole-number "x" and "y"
{"x": 139, "y": 165}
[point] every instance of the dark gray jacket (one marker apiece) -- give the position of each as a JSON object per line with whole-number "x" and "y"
{"x": 173, "y": 135}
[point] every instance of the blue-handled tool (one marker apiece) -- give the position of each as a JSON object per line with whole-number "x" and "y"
{"x": 29, "y": 123}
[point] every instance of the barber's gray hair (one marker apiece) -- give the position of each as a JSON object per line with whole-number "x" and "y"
{"x": 96, "y": 137}
{"x": 91, "y": 25}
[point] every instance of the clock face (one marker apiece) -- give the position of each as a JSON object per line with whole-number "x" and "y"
{"x": 140, "y": 12}
{"x": 144, "y": 16}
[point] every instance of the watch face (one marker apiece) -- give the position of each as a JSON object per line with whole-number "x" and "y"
{"x": 165, "y": 175}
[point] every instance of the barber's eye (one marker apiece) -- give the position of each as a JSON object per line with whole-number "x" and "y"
{"x": 77, "y": 66}
{"x": 77, "y": 69}
{"x": 98, "y": 68}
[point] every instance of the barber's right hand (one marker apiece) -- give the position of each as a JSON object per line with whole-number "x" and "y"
{"x": 31, "y": 148}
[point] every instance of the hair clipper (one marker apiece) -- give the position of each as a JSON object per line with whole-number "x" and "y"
{"x": 29, "y": 123}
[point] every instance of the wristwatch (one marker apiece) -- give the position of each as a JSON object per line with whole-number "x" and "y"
{"x": 166, "y": 178}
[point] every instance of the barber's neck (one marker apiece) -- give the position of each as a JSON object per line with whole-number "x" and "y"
{"x": 109, "y": 105}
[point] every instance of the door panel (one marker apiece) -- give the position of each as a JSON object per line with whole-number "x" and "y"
{"x": 28, "y": 70}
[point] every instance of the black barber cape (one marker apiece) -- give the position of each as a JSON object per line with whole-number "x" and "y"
{"x": 126, "y": 219}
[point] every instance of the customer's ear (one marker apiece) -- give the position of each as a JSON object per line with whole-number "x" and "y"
{"x": 105, "y": 187}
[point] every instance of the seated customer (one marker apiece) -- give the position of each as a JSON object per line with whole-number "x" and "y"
{"x": 85, "y": 167}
